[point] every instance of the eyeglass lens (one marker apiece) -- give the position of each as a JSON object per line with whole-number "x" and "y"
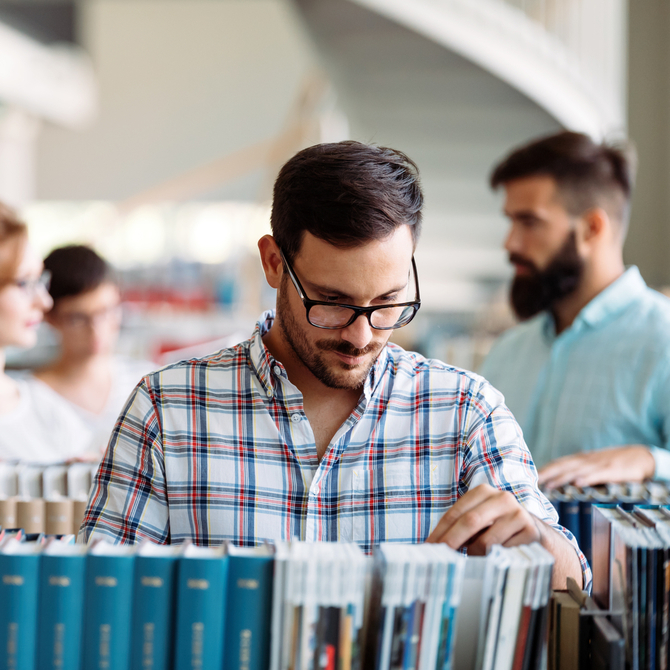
{"x": 32, "y": 285}
{"x": 334, "y": 316}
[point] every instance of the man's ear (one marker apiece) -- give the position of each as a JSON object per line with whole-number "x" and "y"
{"x": 271, "y": 260}
{"x": 595, "y": 224}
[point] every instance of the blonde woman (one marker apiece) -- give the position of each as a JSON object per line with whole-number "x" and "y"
{"x": 33, "y": 427}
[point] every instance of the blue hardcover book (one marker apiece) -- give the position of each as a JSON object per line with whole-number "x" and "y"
{"x": 19, "y": 577}
{"x": 153, "y": 610}
{"x": 585, "y": 522}
{"x": 108, "y": 603}
{"x": 202, "y": 575}
{"x": 569, "y": 515}
{"x": 62, "y": 582}
{"x": 249, "y": 613}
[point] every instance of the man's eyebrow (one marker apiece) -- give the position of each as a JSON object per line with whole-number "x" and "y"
{"x": 521, "y": 214}
{"x": 326, "y": 290}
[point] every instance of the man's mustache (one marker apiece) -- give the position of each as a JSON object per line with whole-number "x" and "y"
{"x": 347, "y": 349}
{"x": 518, "y": 259}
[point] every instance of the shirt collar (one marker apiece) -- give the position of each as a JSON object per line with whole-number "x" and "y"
{"x": 260, "y": 358}
{"x": 619, "y": 295}
{"x": 263, "y": 363}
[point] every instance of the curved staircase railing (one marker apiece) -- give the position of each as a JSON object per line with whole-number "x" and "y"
{"x": 569, "y": 56}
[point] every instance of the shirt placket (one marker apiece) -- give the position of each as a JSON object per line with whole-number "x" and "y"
{"x": 316, "y": 520}
{"x": 317, "y": 527}
{"x": 549, "y": 404}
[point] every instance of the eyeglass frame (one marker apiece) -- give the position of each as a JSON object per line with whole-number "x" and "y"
{"x": 79, "y": 320}
{"x": 358, "y": 311}
{"x": 31, "y": 286}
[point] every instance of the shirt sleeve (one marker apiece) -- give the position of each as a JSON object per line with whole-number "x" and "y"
{"x": 128, "y": 499}
{"x": 496, "y": 454}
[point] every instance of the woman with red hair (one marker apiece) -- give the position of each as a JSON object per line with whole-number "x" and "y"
{"x": 32, "y": 427}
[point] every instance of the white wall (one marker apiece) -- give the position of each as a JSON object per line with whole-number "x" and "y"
{"x": 648, "y": 243}
{"x": 182, "y": 82}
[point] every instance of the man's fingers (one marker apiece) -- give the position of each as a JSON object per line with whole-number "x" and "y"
{"x": 569, "y": 470}
{"x": 558, "y": 469}
{"x": 593, "y": 478}
{"x": 617, "y": 464}
{"x": 503, "y": 531}
{"x": 464, "y": 504}
{"x": 476, "y": 519}
{"x": 572, "y": 477}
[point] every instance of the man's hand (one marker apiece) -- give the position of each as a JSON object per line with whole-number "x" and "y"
{"x": 485, "y": 516}
{"x": 632, "y": 463}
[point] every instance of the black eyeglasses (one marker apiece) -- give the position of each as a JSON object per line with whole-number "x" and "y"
{"x": 333, "y": 316}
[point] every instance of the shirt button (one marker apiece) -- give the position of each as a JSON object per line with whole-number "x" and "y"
{"x": 277, "y": 370}
{"x": 270, "y": 393}
{"x": 295, "y": 417}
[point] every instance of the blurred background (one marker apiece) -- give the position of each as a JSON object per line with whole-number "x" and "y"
{"x": 153, "y": 129}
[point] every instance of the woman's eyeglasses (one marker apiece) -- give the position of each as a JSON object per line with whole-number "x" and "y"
{"x": 31, "y": 286}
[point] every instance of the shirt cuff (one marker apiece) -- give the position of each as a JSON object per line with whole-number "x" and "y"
{"x": 662, "y": 460}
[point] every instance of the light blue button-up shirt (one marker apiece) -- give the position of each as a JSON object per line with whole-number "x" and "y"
{"x": 603, "y": 382}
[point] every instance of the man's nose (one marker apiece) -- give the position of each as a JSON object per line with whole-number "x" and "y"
{"x": 513, "y": 243}
{"x": 359, "y": 333}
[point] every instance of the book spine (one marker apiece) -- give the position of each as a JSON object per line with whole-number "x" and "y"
{"x": 109, "y": 589}
{"x": 569, "y": 516}
{"x": 62, "y": 582}
{"x": 201, "y": 600}
{"x": 153, "y": 613}
{"x": 585, "y": 521}
{"x": 247, "y": 645}
{"x": 19, "y": 577}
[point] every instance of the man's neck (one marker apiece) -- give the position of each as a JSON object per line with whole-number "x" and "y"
{"x": 326, "y": 408}
{"x": 593, "y": 283}
{"x": 313, "y": 390}
{"x": 75, "y": 367}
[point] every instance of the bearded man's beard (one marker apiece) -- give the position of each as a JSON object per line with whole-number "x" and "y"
{"x": 541, "y": 289}
{"x": 311, "y": 354}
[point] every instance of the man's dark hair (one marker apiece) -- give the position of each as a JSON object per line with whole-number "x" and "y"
{"x": 76, "y": 269}
{"x": 587, "y": 174}
{"x": 346, "y": 194}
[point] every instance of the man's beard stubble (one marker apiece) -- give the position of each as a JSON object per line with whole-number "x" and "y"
{"x": 540, "y": 290}
{"x": 309, "y": 354}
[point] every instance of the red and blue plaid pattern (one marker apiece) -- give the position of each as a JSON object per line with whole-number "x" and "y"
{"x": 219, "y": 448}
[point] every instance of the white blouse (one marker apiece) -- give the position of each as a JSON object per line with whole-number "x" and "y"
{"x": 43, "y": 429}
{"x": 47, "y": 428}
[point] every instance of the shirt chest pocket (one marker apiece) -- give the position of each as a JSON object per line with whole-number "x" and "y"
{"x": 391, "y": 504}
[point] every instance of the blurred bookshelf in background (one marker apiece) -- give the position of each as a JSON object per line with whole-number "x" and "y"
{"x": 192, "y": 281}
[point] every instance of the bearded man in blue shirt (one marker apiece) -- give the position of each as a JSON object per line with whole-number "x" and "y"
{"x": 587, "y": 372}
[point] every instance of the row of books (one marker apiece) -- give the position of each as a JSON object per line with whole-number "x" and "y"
{"x": 502, "y": 620}
{"x": 631, "y": 579}
{"x": 319, "y": 606}
{"x": 69, "y": 606}
{"x": 50, "y": 482}
{"x": 582, "y": 636}
{"x": 574, "y": 504}
{"x": 59, "y": 516}
{"x": 296, "y": 606}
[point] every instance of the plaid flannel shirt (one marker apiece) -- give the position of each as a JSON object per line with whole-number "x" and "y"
{"x": 219, "y": 448}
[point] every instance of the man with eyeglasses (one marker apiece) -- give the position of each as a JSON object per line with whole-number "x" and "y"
{"x": 87, "y": 374}
{"x": 317, "y": 428}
